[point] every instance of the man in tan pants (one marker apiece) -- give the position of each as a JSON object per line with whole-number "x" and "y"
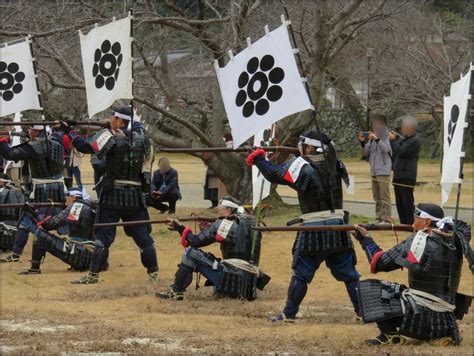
{"x": 381, "y": 195}
{"x": 376, "y": 147}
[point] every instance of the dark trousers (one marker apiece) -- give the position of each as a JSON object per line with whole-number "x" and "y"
{"x": 76, "y": 173}
{"x": 171, "y": 198}
{"x": 27, "y": 225}
{"x": 342, "y": 267}
{"x": 105, "y": 236}
{"x": 390, "y": 325}
{"x": 195, "y": 260}
{"x": 405, "y": 201}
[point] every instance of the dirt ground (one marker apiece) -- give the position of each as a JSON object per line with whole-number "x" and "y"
{"x": 45, "y": 314}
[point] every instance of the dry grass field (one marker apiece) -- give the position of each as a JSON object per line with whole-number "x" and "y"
{"x": 45, "y": 314}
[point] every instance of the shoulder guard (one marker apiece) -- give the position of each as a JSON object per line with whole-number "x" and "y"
{"x": 294, "y": 169}
{"x": 224, "y": 228}
{"x": 102, "y": 142}
{"x": 75, "y": 212}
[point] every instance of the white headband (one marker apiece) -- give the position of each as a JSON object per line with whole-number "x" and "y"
{"x": 37, "y": 127}
{"x": 310, "y": 141}
{"x": 229, "y": 204}
{"x": 75, "y": 193}
{"x": 122, "y": 116}
{"x": 447, "y": 220}
{"x": 424, "y": 215}
{"x": 439, "y": 222}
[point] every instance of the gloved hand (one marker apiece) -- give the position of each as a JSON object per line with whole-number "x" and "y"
{"x": 175, "y": 225}
{"x": 45, "y": 224}
{"x": 258, "y": 152}
{"x": 65, "y": 127}
{"x": 359, "y": 232}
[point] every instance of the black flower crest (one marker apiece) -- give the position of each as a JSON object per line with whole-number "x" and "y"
{"x": 258, "y": 86}
{"x": 107, "y": 60}
{"x": 10, "y": 80}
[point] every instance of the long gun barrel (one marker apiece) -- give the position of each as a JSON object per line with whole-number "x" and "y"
{"x": 35, "y": 205}
{"x": 141, "y": 222}
{"x": 370, "y": 227}
{"x": 227, "y": 149}
{"x": 51, "y": 123}
{"x": 13, "y": 133}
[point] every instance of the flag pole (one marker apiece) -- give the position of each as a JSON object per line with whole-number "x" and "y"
{"x": 463, "y": 144}
{"x": 131, "y": 101}
{"x": 314, "y": 112}
{"x": 29, "y": 38}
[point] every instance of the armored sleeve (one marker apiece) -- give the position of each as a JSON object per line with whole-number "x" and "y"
{"x": 384, "y": 261}
{"x": 204, "y": 238}
{"x": 296, "y": 172}
{"x": 16, "y": 153}
{"x": 80, "y": 143}
{"x": 273, "y": 173}
{"x": 100, "y": 144}
{"x": 57, "y": 221}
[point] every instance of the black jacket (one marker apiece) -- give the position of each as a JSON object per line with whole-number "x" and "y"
{"x": 170, "y": 180}
{"x": 405, "y": 153}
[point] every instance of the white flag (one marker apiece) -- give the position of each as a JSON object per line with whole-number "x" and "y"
{"x": 455, "y": 114}
{"x": 261, "y": 85}
{"x": 350, "y": 189}
{"x": 261, "y": 186}
{"x": 107, "y": 61}
{"x": 18, "y": 89}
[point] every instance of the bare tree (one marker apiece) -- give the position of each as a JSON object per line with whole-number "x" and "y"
{"x": 178, "y": 90}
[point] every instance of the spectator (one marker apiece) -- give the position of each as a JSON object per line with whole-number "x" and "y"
{"x": 214, "y": 189}
{"x": 406, "y": 151}
{"x": 164, "y": 188}
{"x": 376, "y": 147}
{"x": 74, "y": 169}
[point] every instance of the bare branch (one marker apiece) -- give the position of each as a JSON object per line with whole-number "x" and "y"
{"x": 211, "y": 7}
{"x": 58, "y": 84}
{"x": 49, "y": 32}
{"x": 186, "y": 123}
{"x": 62, "y": 63}
{"x": 165, "y": 20}
{"x": 342, "y": 15}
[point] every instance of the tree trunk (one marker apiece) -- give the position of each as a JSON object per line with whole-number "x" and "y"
{"x": 231, "y": 169}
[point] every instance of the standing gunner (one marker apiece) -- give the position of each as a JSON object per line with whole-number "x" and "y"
{"x": 128, "y": 155}
{"x": 316, "y": 176}
{"x": 429, "y": 307}
{"x": 44, "y": 155}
